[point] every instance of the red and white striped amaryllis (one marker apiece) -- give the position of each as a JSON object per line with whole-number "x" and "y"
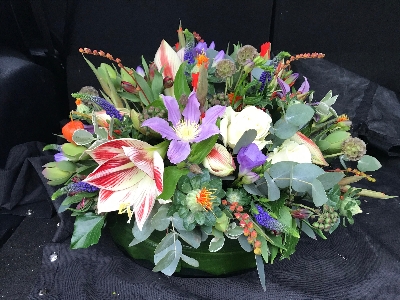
{"x": 130, "y": 173}
{"x": 219, "y": 161}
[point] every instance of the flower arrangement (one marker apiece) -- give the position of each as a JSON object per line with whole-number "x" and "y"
{"x": 207, "y": 146}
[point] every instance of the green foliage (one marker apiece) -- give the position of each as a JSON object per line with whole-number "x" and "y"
{"x": 87, "y": 230}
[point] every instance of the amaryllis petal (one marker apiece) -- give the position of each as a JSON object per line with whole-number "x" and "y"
{"x": 174, "y": 114}
{"x": 149, "y": 162}
{"x": 316, "y": 154}
{"x": 212, "y": 114}
{"x": 305, "y": 86}
{"x": 219, "y": 161}
{"x": 118, "y": 173}
{"x": 167, "y": 58}
{"x": 161, "y": 126}
{"x": 284, "y": 87}
{"x": 178, "y": 151}
{"x": 110, "y": 149}
{"x": 192, "y": 111}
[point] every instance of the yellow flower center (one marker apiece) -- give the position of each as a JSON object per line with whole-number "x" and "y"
{"x": 126, "y": 208}
{"x": 204, "y": 198}
{"x": 187, "y": 131}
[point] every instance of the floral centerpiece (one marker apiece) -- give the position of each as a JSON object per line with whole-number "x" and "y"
{"x": 206, "y": 147}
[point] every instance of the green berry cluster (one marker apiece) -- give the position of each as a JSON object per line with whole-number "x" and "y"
{"x": 327, "y": 218}
{"x": 150, "y": 112}
{"x": 219, "y": 99}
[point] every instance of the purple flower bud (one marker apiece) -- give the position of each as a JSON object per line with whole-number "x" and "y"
{"x": 59, "y": 157}
{"x": 140, "y": 71}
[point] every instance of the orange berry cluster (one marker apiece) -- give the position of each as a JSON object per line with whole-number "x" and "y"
{"x": 304, "y": 56}
{"x": 359, "y": 173}
{"x": 246, "y": 223}
{"x": 106, "y": 55}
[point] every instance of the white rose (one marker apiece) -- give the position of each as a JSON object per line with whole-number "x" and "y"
{"x": 234, "y": 124}
{"x": 290, "y": 151}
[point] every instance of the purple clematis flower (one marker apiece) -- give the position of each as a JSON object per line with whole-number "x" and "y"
{"x": 248, "y": 158}
{"x": 305, "y": 87}
{"x": 60, "y": 157}
{"x": 186, "y": 131}
{"x": 218, "y": 57}
{"x": 284, "y": 87}
{"x": 202, "y": 46}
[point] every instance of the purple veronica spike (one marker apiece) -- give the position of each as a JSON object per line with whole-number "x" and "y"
{"x": 81, "y": 186}
{"x": 186, "y": 131}
{"x": 264, "y": 219}
{"x": 305, "y": 86}
{"x": 103, "y": 103}
{"x": 284, "y": 87}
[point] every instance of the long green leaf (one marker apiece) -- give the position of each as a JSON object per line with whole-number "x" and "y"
{"x": 171, "y": 176}
{"x": 181, "y": 86}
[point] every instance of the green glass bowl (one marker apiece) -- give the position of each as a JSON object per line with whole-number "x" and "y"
{"x": 230, "y": 260}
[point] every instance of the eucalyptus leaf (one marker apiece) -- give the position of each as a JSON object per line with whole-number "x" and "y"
{"x": 102, "y": 133}
{"x": 190, "y": 261}
{"x": 87, "y": 230}
{"x": 252, "y": 189}
{"x": 318, "y": 193}
{"x": 329, "y": 179}
{"x": 284, "y": 130}
{"x": 307, "y": 229}
{"x": 141, "y": 235}
{"x": 244, "y": 243}
{"x": 281, "y": 173}
{"x": 303, "y": 175}
{"x": 167, "y": 241}
{"x": 299, "y": 114}
{"x": 165, "y": 261}
{"x": 261, "y": 271}
{"x": 274, "y": 192}
{"x": 246, "y": 139}
{"x": 216, "y": 244}
{"x": 368, "y": 163}
{"x": 160, "y": 221}
{"x": 193, "y": 238}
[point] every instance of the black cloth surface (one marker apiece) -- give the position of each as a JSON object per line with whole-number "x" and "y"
{"x": 361, "y": 261}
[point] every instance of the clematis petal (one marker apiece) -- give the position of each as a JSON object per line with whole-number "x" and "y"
{"x": 284, "y": 87}
{"x": 206, "y": 131}
{"x": 178, "y": 151}
{"x": 218, "y": 57}
{"x": 192, "y": 110}
{"x": 212, "y": 45}
{"x": 110, "y": 149}
{"x": 161, "y": 126}
{"x": 305, "y": 86}
{"x": 116, "y": 174}
{"x": 174, "y": 114}
{"x": 167, "y": 58}
{"x": 212, "y": 114}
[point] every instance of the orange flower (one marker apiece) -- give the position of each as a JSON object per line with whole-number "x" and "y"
{"x": 204, "y": 198}
{"x": 202, "y": 59}
{"x": 69, "y": 129}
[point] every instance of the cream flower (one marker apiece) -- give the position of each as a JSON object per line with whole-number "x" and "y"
{"x": 290, "y": 151}
{"x": 235, "y": 124}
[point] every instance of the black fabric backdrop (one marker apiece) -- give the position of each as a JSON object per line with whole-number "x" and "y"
{"x": 357, "y": 262}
